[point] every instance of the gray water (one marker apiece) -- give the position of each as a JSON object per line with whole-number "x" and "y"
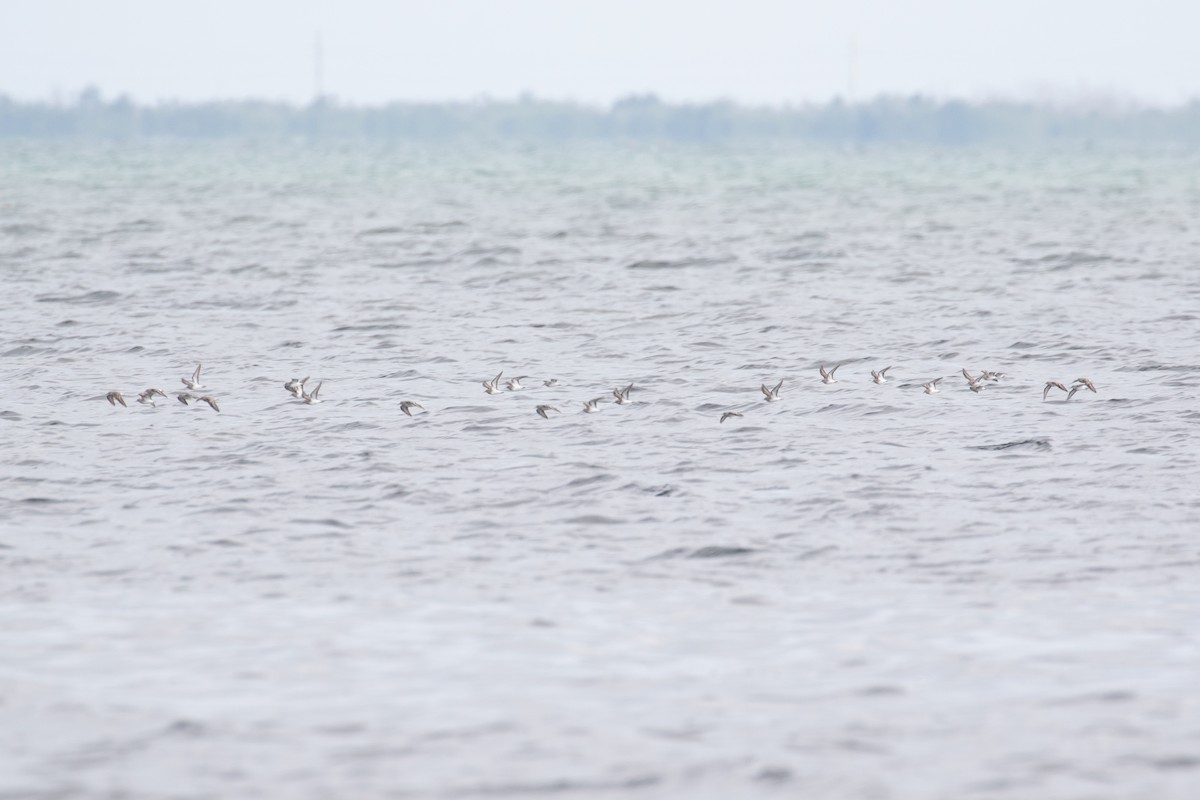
{"x": 859, "y": 591}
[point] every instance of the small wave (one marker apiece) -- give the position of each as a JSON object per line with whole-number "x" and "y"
{"x": 22, "y": 229}
{"x": 594, "y": 519}
{"x": 710, "y": 551}
{"x": 683, "y": 263}
{"x": 1035, "y": 444}
{"x": 387, "y": 230}
{"x": 97, "y": 297}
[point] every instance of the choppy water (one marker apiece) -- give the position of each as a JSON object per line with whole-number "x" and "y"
{"x": 859, "y": 591}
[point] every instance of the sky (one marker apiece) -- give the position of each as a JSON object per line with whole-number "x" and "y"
{"x": 595, "y": 51}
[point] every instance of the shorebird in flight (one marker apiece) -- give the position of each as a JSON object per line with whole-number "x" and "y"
{"x": 771, "y": 395}
{"x": 493, "y": 386}
{"x": 146, "y": 398}
{"x": 212, "y": 402}
{"x": 729, "y": 414}
{"x": 541, "y": 411}
{"x": 193, "y": 382}
{"x": 622, "y": 395}
{"x": 827, "y": 377}
{"x": 115, "y": 397}
{"x": 880, "y": 376}
{"x": 408, "y": 405}
{"x": 1052, "y": 385}
{"x": 932, "y": 386}
{"x": 974, "y": 384}
{"x": 309, "y": 397}
{"x": 184, "y": 397}
{"x": 592, "y": 406}
{"x": 1081, "y": 383}
{"x": 514, "y": 384}
{"x": 551, "y": 382}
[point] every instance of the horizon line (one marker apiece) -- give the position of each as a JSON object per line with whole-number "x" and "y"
{"x": 1081, "y": 100}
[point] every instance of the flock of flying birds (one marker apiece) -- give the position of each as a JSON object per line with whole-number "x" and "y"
{"x": 146, "y": 398}
{"x": 976, "y": 383}
{"x": 295, "y": 387}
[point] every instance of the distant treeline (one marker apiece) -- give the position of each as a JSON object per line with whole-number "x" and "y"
{"x": 886, "y": 119}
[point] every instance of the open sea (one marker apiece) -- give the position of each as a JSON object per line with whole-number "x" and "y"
{"x": 857, "y": 591}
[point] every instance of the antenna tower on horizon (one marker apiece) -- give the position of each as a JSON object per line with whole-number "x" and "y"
{"x": 318, "y": 67}
{"x": 852, "y": 69}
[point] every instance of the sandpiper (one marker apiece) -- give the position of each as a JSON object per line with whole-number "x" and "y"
{"x": 771, "y": 395}
{"x": 493, "y": 386}
{"x": 309, "y": 397}
{"x": 514, "y": 384}
{"x": 115, "y": 397}
{"x": 880, "y": 376}
{"x": 931, "y": 387}
{"x": 622, "y": 395}
{"x": 541, "y": 411}
{"x": 827, "y": 377}
{"x": 729, "y": 414}
{"x": 297, "y": 389}
{"x": 991, "y": 376}
{"x": 408, "y": 405}
{"x": 184, "y": 397}
{"x": 1081, "y": 383}
{"x": 1052, "y": 385}
{"x": 974, "y": 384}
{"x": 146, "y": 398}
{"x": 194, "y": 381}
{"x": 592, "y": 406}
{"x": 969, "y": 377}
{"x": 212, "y": 402}
{"x": 551, "y": 382}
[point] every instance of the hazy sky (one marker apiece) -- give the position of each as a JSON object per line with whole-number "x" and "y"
{"x": 597, "y": 50}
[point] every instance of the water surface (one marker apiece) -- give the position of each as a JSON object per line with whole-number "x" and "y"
{"x": 858, "y": 591}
